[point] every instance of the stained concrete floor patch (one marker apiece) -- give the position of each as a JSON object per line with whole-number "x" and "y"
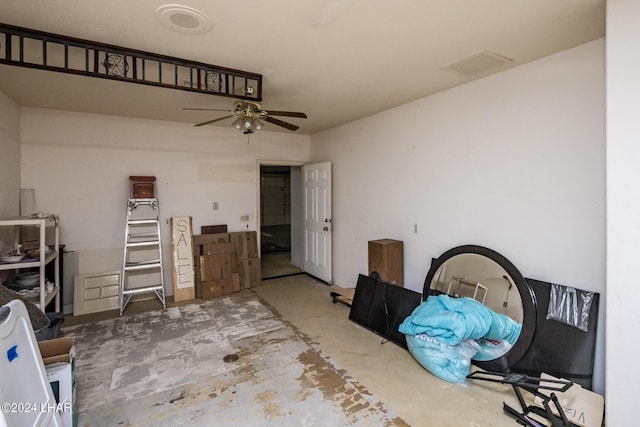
{"x": 167, "y": 368}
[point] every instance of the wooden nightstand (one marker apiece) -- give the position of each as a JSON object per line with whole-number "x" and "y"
{"x": 386, "y": 258}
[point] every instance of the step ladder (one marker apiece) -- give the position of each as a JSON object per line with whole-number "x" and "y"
{"x": 142, "y": 261}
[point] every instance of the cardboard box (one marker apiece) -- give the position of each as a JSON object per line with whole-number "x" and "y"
{"x": 203, "y": 239}
{"x": 250, "y": 272}
{"x": 226, "y": 263}
{"x": 57, "y": 350}
{"x": 245, "y": 244}
{"x": 216, "y": 248}
{"x": 235, "y": 263}
{"x": 215, "y": 266}
{"x": 582, "y": 407}
{"x": 235, "y": 279}
{"x": 58, "y": 356}
{"x": 213, "y": 229}
{"x": 207, "y": 244}
{"x": 217, "y": 288}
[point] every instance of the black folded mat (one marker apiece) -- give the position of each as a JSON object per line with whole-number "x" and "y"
{"x": 382, "y": 307}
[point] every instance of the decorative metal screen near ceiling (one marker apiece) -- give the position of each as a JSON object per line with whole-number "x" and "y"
{"x": 40, "y": 50}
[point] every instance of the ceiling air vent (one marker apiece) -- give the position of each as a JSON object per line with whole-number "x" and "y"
{"x": 477, "y": 63}
{"x": 183, "y": 19}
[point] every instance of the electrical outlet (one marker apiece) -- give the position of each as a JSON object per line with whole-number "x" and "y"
{"x": 415, "y": 228}
{"x": 215, "y": 206}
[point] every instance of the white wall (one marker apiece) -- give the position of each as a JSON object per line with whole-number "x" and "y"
{"x": 514, "y": 162}
{"x": 623, "y": 212}
{"x": 79, "y": 165}
{"x": 10, "y": 158}
{"x": 9, "y": 170}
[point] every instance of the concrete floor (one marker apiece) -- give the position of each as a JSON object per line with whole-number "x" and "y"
{"x": 276, "y": 264}
{"x": 387, "y": 371}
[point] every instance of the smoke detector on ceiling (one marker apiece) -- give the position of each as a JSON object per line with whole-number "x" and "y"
{"x": 183, "y": 19}
{"x": 477, "y": 63}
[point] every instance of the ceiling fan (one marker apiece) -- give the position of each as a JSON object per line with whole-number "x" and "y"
{"x": 250, "y": 117}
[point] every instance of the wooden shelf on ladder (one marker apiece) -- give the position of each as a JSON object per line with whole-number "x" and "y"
{"x": 142, "y": 261}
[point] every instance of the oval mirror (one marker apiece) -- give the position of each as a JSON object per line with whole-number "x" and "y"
{"x": 486, "y": 276}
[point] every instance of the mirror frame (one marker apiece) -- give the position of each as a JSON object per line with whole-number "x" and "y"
{"x": 529, "y": 309}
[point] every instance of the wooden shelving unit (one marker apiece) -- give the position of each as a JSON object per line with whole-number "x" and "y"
{"x": 42, "y": 222}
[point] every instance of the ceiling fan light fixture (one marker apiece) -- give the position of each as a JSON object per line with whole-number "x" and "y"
{"x": 237, "y": 123}
{"x": 249, "y": 117}
{"x": 248, "y": 123}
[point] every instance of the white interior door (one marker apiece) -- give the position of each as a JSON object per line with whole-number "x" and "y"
{"x": 317, "y": 220}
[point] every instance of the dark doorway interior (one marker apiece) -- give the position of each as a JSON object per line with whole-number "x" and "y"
{"x": 275, "y": 221}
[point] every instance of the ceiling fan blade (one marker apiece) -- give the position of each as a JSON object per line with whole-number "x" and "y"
{"x": 278, "y": 122}
{"x": 204, "y": 109}
{"x": 208, "y": 122}
{"x": 286, "y": 114}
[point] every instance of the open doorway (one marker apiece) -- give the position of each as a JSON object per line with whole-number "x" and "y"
{"x": 279, "y": 216}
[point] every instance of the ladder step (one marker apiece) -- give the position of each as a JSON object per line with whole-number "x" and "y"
{"x": 145, "y": 289}
{"x": 150, "y": 234}
{"x": 143, "y": 265}
{"x": 142, "y": 221}
{"x": 134, "y": 203}
{"x": 146, "y": 243}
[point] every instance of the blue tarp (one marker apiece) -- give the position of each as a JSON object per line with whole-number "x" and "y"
{"x": 444, "y": 333}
